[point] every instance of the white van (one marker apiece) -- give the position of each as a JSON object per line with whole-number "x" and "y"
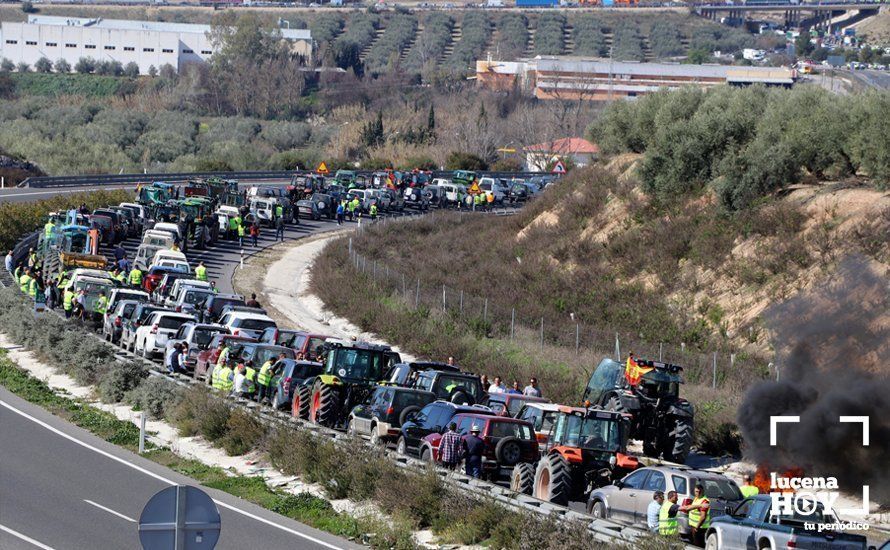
{"x": 167, "y": 254}
{"x": 171, "y": 228}
{"x": 264, "y": 209}
{"x": 454, "y": 192}
{"x": 158, "y": 238}
{"x": 145, "y": 255}
{"x": 224, "y": 214}
{"x": 491, "y": 185}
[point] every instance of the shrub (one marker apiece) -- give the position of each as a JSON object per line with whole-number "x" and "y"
{"x": 550, "y": 34}
{"x": 243, "y": 433}
{"x": 43, "y": 65}
{"x": 121, "y": 379}
{"x": 199, "y": 412}
{"x": 131, "y": 69}
{"x": 512, "y": 35}
{"x": 62, "y": 66}
{"x": 385, "y": 52}
{"x": 23, "y": 67}
{"x": 626, "y": 43}
{"x": 475, "y": 32}
{"x": 588, "y": 35}
{"x": 156, "y": 396}
{"x": 152, "y": 71}
{"x": 85, "y": 65}
{"x": 508, "y": 165}
{"x": 664, "y": 39}
{"x": 432, "y": 41}
{"x": 6, "y": 65}
{"x": 326, "y": 26}
{"x": 465, "y": 161}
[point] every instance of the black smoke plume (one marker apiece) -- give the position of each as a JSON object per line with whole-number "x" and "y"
{"x": 833, "y": 351}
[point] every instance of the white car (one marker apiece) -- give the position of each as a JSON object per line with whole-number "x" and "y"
{"x": 190, "y": 299}
{"x": 163, "y": 239}
{"x": 152, "y": 336}
{"x": 145, "y": 255}
{"x": 264, "y": 209}
{"x": 197, "y": 336}
{"x": 119, "y": 294}
{"x": 491, "y": 185}
{"x": 243, "y": 323}
{"x": 454, "y": 192}
{"x": 224, "y": 214}
{"x": 141, "y": 212}
{"x": 180, "y": 284}
{"x": 171, "y": 228}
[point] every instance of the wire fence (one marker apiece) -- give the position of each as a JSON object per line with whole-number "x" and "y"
{"x": 718, "y": 369}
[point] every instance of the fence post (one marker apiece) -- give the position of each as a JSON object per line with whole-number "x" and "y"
{"x": 683, "y": 347}
{"x": 485, "y": 312}
{"x": 417, "y": 295}
{"x": 142, "y": 432}
{"x": 512, "y": 323}
{"x": 461, "y": 302}
{"x": 577, "y": 338}
{"x": 374, "y": 269}
{"x": 617, "y": 348}
{"x": 404, "y": 286}
{"x": 714, "y": 377}
{"x": 660, "y": 350}
{"x": 542, "y": 334}
{"x": 350, "y": 246}
{"x": 731, "y": 361}
{"x": 443, "y": 298}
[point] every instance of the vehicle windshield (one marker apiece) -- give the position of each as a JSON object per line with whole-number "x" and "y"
{"x": 78, "y": 242}
{"x": 660, "y": 383}
{"x": 255, "y": 324}
{"x": 510, "y": 429}
{"x": 359, "y": 364}
{"x": 446, "y": 385}
{"x": 195, "y": 297}
{"x": 171, "y": 322}
{"x": 592, "y": 433}
{"x": 93, "y": 288}
{"x": 515, "y": 404}
{"x": 203, "y": 336}
{"x": 408, "y": 399}
{"x": 271, "y": 354}
{"x": 719, "y": 488}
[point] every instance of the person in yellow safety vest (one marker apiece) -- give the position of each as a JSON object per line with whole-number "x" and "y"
{"x": 68, "y": 302}
{"x": 32, "y": 258}
{"x": 32, "y": 287}
{"x": 24, "y": 281}
{"x": 233, "y": 227}
{"x": 747, "y": 488}
{"x": 279, "y": 211}
{"x": 250, "y": 376}
{"x": 135, "y": 277}
{"x": 224, "y": 380}
{"x": 100, "y": 306}
{"x": 374, "y": 211}
{"x": 667, "y": 515}
{"x": 699, "y": 515}
{"x": 477, "y": 201}
{"x": 201, "y": 272}
{"x": 240, "y": 234}
{"x": 48, "y": 229}
{"x": 121, "y": 277}
{"x": 264, "y": 380}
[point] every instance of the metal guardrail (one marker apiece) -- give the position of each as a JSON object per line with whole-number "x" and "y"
{"x": 175, "y": 177}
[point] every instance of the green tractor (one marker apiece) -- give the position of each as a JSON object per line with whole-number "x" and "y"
{"x": 351, "y": 372}
{"x": 661, "y": 419}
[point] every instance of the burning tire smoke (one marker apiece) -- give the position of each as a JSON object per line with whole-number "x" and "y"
{"x": 833, "y": 346}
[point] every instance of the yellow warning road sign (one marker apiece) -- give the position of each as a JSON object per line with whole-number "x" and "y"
{"x": 322, "y": 168}
{"x": 474, "y": 189}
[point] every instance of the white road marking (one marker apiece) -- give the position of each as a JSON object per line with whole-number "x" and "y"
{"x": 25, "y": 538}
{"x": 110, "y": 511}
{"x": 161, "y": 478}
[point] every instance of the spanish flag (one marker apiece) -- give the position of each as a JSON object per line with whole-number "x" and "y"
{"x": 633, "y": 372}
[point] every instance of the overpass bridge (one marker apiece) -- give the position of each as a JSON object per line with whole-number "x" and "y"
{"x": 796, "y": 13}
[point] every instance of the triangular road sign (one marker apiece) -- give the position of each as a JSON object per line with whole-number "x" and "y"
{"x": 474, "y": 189}
{"x": 322, "y": 168}
{"x": 559, "y": 168}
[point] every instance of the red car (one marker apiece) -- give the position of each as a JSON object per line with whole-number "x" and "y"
{"x": 207, "y": 358}
{"x": 508, "y": 442}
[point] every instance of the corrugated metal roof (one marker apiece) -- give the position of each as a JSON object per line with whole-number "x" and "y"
{"x": 153, "y": 26}
{"x": 598, "y": 65}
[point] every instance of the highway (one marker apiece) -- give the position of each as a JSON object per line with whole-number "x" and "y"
{"x": 62, "y": 487}
{"x": 27, "y": 194}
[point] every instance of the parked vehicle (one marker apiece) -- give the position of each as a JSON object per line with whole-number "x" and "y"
{"x": 164, "y": 288}
{"x": 131, "y": 323}
{"x": 455, "y": 193}
{"x": 114, "y": 319}
{"x": 541, "y": 416}
{"x": 495, "y": 187}
{"x": 246, "y": 324}
{"x": 145, "y": 254}
{"x": 509, "y": 404}
{"x": 433, "y": 418}
{"x": 171, "y": 228}
{"x": 416, "y": 198}
{"x": 207, "y": 358}
{"x": 456, "y": 387}
{"x": 290, "y": 373}
{"x": 318, "y": 206}
{"x": 197, "y": 336}
{"x": 182, "y": 283}
{"x": 385, "y": 411}
{"x": 155, "y": 275}
{"x": 167, "y": 254}
{"x": 93, "y": 287}
{"x": 508, "y": 442}
{"x": 152, "y": 335}
{"x": 752, "y": 524}
{"x": 278, "y": 336}
{"x": 403, "y": 374}
{"x": 627, "y": 498}
{"x": 212, "y": 308}
{"x": 118, "y": 294}
{"x": 259, "y": 353}
{"x": 161, "y": 239}
{"x": 661, "y": 418}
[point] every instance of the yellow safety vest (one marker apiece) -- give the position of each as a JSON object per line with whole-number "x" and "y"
{"x": 264, "y": 377}
{"x": 240, "y": 230}
{"x": 32, "y": 288}
{"x": 373, "y": 209}
{"x": 279, "y": 211}
{"x": 749, "y": 490}
{"x": 201, "y": 273}
{"x": 100, "y": 305}
{"x": 136, "y": 277}
{"x": 695, "y": 516}
{"x": 224, "y": 383}
{"x": 68, "y": 300}
{"x": 667, "y": 525}
{"x": 23, "y": 282}
{"x": 48, "y": 229}
{"x": 250, "y": 373}
{"x": 214, "y": 376}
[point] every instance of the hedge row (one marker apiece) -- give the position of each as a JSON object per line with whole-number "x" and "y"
{"x": 512, "y": 35}
{"x": 550, "y": 34}
{"x": 475, "y": 34}
{"x": 399, "y": 34}
{"x": 432, "y": 41}
{"x": 589, "y": 37}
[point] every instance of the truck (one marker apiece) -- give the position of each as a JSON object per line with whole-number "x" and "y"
{"x": 752, "y": 524}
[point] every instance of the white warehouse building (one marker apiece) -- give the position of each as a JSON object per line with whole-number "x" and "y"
{"x": 146, "y": 43}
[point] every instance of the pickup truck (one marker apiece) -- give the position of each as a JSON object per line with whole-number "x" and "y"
{"x": 753, "y": 525}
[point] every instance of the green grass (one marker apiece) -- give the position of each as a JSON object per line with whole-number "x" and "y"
{"x": 87, "y": 85}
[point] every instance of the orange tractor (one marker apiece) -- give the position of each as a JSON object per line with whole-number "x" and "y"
{"x": 584, "y": 449}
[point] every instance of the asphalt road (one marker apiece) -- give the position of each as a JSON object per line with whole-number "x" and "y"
{"x": 62, "y": 487}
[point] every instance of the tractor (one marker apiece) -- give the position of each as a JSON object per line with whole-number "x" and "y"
{"x": 662, "y": 420}
{"x": 584, "y": 449}
{"x": 351, "y": 372}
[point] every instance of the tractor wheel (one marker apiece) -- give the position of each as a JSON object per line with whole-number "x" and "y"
{"x": 302, "y": 399}
{"x": 680, "y": 440}
{"x": 522, "y": 480}
{"x": 553, "y": 481}
{"x": 321, "y": 409}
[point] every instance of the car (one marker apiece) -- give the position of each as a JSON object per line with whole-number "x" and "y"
{"x": 246, "y": 323}
{"x": 433, "y": 418}
{"x": 435, "y": 195}
{"x": 290, "y": 373}
{"x": 416, "y": 198}
{"x": 236, "y": 308}
{"x": 385, "y": 411}
{"x": 278, "y": 336}
{"x": 307, "y": 344}
{"x": 197, "y": 336}
{"x": 118, "y": 294}
{"x": 456, "y": 387}
{"x": 180, "y": 283}
{"x": 628, "y": 498}
{"x": 190, "y": 299}
{"x": 508, "y": 442}
{"x": 171, "y": 228}
{"x": 112, "y": 327}
{"x": 454, "y": 193}
{"x": 258, "y": 353}
{"x": 144, "y": 254}
{"x": 393, "y": 200}
{"x": 117, "y": 222}
{"x": 207, "y": 358}
{"x": 167, "y": 254}
{"x": 509, "y": 404}
{"x": 213, "y": 306}
{"x": 541, "y": 416}
{"x": 92, "y": 287}
{"x": 128, "y": 220}
{"x": 318, "y": 206}
{"x": 495, "y": 187}
{"x": 153, "y": 277}
{"x": 162, "y": 290}
{"x": 138, "y": 210}
{"x": 131, "y": 323}
{"x": 404, "y": 374}
{"x": 162, "y": 239}
{"x": 152, "y": 335}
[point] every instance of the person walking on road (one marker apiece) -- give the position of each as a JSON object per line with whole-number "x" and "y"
{"x": 450, "y": 447}
{"x": 341, "y": 209}
{"x": 473, "y": 448}
{"x": 241, "y": 235}
{"x": 279, "y": 228}
{"x": 653, "y": 510}
{"x": 135, "y": 277}
{"x": 9, "y": 262}
{"x": 532, "y": 390}
{"x": 255, "y": 233}
{"x": 201, "y": 272}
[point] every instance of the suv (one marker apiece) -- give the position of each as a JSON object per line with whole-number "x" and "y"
{"x": 508, "y": 442}
{"x": 290, "y": 373}
{"x": 259, "y": 353}
{"x": 627, "y": 499}
{"x": 197, "y": 337}
{"x": 131, "y": 323}
{"x": 114, "y": 319}
{"x": 385, "y": 412}
{"x": 541, "y": 416}
{"x": 417, "y": 198}
{"x": 509, "y": 404}
{"x": 457, "y": 387}
{"x": 246, "y": 324}
{"x": 152, "y": 336}
{"x": 278, "y": 336}
{"x": 434, "y": 418}
{"x": 404, "y": 374}
{"x": 213, "y": 306}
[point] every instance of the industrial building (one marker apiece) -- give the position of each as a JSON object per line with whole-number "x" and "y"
{"x": 146, "y": 43}
{"x": 557, "y": 77}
